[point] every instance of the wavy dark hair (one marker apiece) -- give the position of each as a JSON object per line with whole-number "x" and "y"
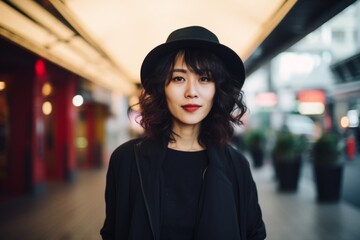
{"x": 227, "y": 110}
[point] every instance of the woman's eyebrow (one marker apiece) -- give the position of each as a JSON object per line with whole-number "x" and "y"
{"x": 198, "y": 71}
{"x": 179, "y": 70}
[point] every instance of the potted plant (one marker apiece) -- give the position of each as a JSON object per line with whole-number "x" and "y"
{"x": 287, "y": 159}
{"x": 255, "y": 143}
{"x": 328, "y": 168}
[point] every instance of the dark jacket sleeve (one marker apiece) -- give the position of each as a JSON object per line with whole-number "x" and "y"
{"x": 118, "y": 194}
{"x": 108, "y": 232}
{"x": 252, "y": 223}
{"x": 255, "y": 225}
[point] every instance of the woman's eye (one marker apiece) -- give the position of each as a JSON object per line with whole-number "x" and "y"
{"x": 178, "y": 79}
{"x": 205, "y": 79}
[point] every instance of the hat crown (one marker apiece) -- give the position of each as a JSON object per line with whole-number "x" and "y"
{"x": 192, "y": 33}
{"x": 193, "y": 37}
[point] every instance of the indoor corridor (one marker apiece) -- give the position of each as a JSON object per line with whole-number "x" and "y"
{"x": 76, "y": 211}
{"x": 70, "y": 81}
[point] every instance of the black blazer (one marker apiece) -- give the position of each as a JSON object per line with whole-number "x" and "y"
{"x": 229, "y": 208}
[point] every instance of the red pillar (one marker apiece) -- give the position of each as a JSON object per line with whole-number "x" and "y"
{"x": 351, "y": 148}
{"x": 95, "y": 120}
{"x": 4, "y": 139}
{"x": 26, "y": 133}
{"x": 64, "y": 127}
{"x": 90, "y": 123}
{"x": 38, "y": 126}
{"x": 20, "y": 119}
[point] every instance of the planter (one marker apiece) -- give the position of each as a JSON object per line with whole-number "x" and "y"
{"x": 328, "y": 182}
{"x": 287, "y": 158}
{"x": 288, "y": 174}
{"x": 255, "y": 144}
{"x": 257, "y": 157}
{"x": 328, "y": 167}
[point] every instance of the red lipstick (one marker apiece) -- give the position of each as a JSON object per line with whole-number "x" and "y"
{"x": 191, "y": 107}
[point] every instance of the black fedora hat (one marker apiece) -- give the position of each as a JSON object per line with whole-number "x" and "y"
{"x": 194, "y": 37}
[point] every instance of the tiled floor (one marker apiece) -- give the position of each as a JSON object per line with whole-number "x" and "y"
{"x": 67, "y": 212}
{"x": 76, "y": 211}
{"x": 297, "y": 216}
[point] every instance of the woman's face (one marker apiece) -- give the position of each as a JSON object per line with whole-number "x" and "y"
{"x": 189, "y": 96}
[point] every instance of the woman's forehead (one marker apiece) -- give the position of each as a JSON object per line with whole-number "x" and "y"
{"x": 192, "y": 63}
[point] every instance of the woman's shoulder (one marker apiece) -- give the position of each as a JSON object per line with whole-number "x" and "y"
{"x": 127, "y": 146}
{"x": 240, "y": 168}
{"x": 238, "y": 161}
{"x": 236, "y": 155}
{"x": 125, "y": 152}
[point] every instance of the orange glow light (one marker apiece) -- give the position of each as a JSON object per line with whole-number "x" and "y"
{"x": 311, "y": 96}
{"x": 2, "y": 85}
{"x": 46, "y": 89}
{"x": 344, "y": 122}
{"x": 47, "y": 108}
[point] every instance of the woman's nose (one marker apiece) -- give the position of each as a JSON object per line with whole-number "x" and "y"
{"x": 191, "y": 91}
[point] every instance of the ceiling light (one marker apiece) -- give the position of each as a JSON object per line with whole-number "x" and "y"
{"x": 23, "y": 26}
{"x": 38, "y": 13}
{"x": 63, "y": 51}
{"x": 85, "y": 49}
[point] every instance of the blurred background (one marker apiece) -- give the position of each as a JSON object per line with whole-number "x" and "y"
{"x": 69, "y": 70}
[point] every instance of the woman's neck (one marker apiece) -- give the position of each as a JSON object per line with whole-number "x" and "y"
{"x": 186, "y": 138}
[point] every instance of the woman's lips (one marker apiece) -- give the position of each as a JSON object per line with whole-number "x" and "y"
{"x": 191, "y": 107}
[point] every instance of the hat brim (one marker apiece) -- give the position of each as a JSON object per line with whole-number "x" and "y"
{"x": 232, "y": 61}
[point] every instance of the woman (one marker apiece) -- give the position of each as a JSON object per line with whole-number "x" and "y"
{"x": 182, "y": 180}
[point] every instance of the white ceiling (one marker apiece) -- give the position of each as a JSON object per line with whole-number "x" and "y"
{"x": 127, "y": 30}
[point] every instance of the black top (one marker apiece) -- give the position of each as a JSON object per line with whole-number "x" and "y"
{"x": 181, "y": 189}
{"x": 229, "y": 205}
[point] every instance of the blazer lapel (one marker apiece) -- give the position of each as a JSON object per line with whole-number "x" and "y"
{"x": 151, "y": 154}
{"x": 218, "y": 215}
